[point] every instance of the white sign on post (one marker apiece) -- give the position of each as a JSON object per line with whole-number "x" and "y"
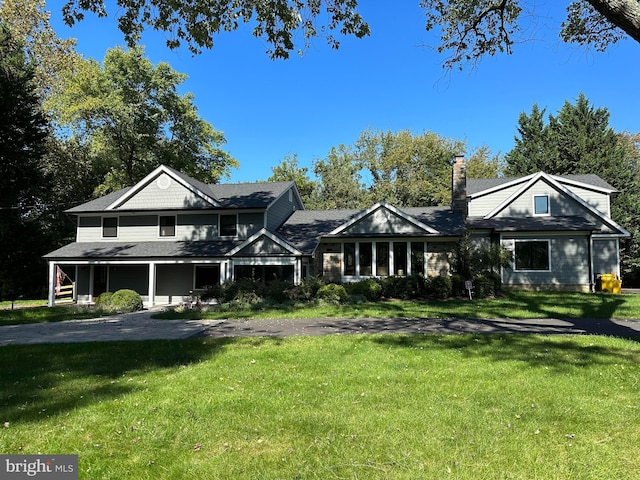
{"x": 468, "y": 285}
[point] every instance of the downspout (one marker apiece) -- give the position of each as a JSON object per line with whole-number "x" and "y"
{"x": 591, "y": 281}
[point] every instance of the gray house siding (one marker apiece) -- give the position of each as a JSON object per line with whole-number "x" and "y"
{"x": 482, "y": 205}
{"x": 173, "y": 282}
{"x": 133, "y": 277}
{"x": 249, "y": 223}
{"x": 383, "y": 221}
{"x": 598, "y": 200}
{"x": 163, "y": 193}
{"x": 568, "y": 263}
{"x": 605, "y": 256}
{"x": 280, "y": 210}
{"x": 263, "y": 246}
{"x": 560, "y": 205}
{"x": 201, "y": 226}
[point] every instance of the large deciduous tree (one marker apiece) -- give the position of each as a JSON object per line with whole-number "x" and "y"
{"x": 289, "y": 171}
{"x": 579, "y": 140}
{"x": 408, "y": 170}
{"x": 469, "y": 29}
{"x": 131, "y": 116}
{"x": 23, "y": 138}
{"x": 340, "y": 182}
{"x": 28, "y": 22}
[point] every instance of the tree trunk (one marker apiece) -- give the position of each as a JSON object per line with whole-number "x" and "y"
{"x": 622, "y": 13}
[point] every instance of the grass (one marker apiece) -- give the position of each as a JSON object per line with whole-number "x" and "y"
{"x": 42, "y": 314}
{"x": 512, "y": 305}
{"x": 356, "y": 406}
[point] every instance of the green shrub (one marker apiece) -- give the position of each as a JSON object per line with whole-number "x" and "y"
{"x": 332, "y": 293}
{"x": 487, "y": 285}
{"x": 124, "y": 301}
{"x": 368, "y": 288}
{"x": 457, "y": 286}
{"x": 413, "y": 286}
{"x": 279, "y": 291}
{"x": 104, "y": 302}
{"x": 306, "y": 291}
{"x": 440, "y": 286}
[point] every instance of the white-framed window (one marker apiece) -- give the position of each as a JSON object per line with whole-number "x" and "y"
{"x": 532, "y": 255}
{"x": 167, "y": 225}
{"x": 541, "y": 205}
{"x": 109, "y": 227}
{"x": 228, "y": 225}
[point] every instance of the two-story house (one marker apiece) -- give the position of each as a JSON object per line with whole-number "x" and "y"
{"x": 558, "y": 228}
{"x": 170, "y": 234}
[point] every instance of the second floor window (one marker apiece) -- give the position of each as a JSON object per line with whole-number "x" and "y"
{"x": 541, "y": 205}
{"x": 110, "y": 227}
{"x": 228, "y": 226}
{"x": 168, "y": 226}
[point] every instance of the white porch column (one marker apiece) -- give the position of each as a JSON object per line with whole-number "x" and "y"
{"x": 152, "y": 285}
{"x": 298, "y": 271}
{"x": 52, "y": 284}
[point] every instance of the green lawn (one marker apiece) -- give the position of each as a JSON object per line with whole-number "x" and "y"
{"x": 512, "y": 305}
{"x": 355, "y": 407}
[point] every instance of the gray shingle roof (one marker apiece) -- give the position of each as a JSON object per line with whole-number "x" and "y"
{"x": 240, "y": 195}
{"x": 131, "y": 250}
{"x": 530, "y": 224}
{"x": 303, "y": 229}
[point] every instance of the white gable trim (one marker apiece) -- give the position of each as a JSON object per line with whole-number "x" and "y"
{"x": 149, "y": 178}
{"x": 527, "y": 178}
{"x": 552, "y": 181}
{"x": 266, "y": 233}
{"x": 391, "y": 208}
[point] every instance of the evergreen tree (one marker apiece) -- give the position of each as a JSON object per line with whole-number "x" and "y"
{"x": 23, "y": 136}
{"x": 532, "y": 151}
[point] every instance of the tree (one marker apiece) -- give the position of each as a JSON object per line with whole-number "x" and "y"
{"x": 23, "y": 137}
{"x": 28, "y": 22}
{"x": 130, "y": 115}
{"x": 408, "y": 170}
{"x": 579, "y": 140}
{"x": 469, "y": 29}
{"x": 532, "y": 151}
{"x": 289, "y": 171}
{"x": 482, "y": 164}
{"x": 340, "y": 183}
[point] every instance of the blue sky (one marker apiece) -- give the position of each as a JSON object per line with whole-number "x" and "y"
{"x": 392, "y": 80}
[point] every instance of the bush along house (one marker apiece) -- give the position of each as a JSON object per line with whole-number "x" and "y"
{"x": 170, "y": 234}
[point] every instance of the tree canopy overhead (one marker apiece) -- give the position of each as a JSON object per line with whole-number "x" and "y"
{"x": 131, "y": 116}
{"x": 469, "y": 29}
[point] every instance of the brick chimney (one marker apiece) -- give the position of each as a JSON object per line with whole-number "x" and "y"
{"x": 459, "y": 185}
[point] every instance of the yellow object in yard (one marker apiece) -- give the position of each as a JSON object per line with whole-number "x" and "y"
{"x": 610, "y": 283}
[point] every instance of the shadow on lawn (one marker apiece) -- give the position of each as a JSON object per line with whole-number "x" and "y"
{"x": 45, "y": 380}
{"x": 558, "y": 354}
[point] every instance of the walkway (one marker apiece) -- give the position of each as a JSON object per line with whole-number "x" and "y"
{"x": 140, "y": 326}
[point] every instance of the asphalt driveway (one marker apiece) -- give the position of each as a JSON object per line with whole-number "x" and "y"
{"x": 141, "y": 326}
